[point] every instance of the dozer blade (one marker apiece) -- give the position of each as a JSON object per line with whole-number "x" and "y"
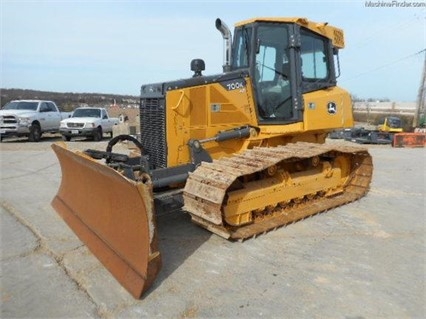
{"x": 112, "y": 215}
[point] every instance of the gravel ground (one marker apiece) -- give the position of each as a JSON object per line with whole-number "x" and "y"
{"x": 362, "y": 260}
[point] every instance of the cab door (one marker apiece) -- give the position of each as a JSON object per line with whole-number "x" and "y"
{"x": 106, "y": 122}
{"x": 54, "y": 116}
{"x": 45, "y": 117}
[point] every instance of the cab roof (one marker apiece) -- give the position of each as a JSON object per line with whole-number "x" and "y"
{"x": 336, "y": 35}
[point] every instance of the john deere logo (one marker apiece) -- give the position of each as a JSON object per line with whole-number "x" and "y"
{"x": 331, "y": 108}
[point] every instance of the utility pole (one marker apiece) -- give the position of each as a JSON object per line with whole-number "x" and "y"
{"x": 421, "y": 99}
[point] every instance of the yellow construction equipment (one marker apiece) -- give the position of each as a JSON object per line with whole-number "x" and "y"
{"x": 391, "y": 124}
{"x": 244, "y": 148}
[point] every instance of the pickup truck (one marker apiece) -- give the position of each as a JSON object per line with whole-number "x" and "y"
{"x": 87, "y": 121}
{"x": 30, "y": 118}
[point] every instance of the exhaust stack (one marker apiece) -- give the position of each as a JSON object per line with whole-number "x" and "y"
{"x": 227, "y": 44}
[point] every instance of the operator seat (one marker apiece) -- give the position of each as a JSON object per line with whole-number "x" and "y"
{"x": 278, "y": 96}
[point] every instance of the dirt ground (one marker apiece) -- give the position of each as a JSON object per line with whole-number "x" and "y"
{"x": 362, "y": 260}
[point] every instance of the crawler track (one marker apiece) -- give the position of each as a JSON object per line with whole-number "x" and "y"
{"x": 222, "y": 196}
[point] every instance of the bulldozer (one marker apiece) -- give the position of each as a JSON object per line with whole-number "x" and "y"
{"x": 391, "y": 124}
{"x": 244, "y": 149}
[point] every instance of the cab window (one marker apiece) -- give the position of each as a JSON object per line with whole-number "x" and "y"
{"x": 44, "y": 107}
{"x": 315, "y": 64}
{"x": 241, "y": 48}
{"x": 52, "y": 108}
{"x": 266, "y": 62}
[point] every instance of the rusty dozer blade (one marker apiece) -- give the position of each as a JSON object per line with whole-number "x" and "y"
{"x": 112, "y": 215}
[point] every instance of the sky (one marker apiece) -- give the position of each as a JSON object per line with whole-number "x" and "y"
{"x": 116, "y": 46}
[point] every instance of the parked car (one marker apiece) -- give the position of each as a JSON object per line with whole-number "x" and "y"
{"x": 30, "y": 118}
{"x": 88, "y": 121}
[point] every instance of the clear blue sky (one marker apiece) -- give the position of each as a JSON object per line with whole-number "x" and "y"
{"x": 115, "y": 46}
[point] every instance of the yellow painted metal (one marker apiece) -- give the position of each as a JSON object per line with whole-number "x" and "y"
{"x": 335, "y": 34}
{"x": 386, "y": 127}
{"x": 317, "y": 115}
{"x": 203, "y": 111}
{"x": 282, "y": 187}
{"x": 318, "y": 178}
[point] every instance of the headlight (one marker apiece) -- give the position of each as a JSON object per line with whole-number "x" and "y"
{"x": 63, "y": 125}
{"x": 89, "y": 125}
{"x": 24, "y": 121}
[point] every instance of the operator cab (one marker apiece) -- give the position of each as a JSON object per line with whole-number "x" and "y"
{"x": 284, "y": 60}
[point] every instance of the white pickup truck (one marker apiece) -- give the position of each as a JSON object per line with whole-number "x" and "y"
{"x": 30, "y": 118}
{"x": 87, "y": 121}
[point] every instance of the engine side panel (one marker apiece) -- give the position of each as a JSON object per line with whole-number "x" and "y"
{"x": 200, "y": 112}
{"x": 327, "y": 109}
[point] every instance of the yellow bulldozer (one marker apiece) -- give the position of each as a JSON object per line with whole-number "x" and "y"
{"x": 245, "y": 149}
{"x": 391, "y": 124}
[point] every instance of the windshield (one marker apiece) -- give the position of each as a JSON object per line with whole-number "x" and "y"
{"x": 394, "y": 122}
{"x": 272, "y": 72}
{"x": 87, "y": 113}
{"x": 14, "y": 105}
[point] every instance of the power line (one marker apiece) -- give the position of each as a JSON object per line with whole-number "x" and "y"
{"x": 387, "y": 65}
{"x": 385, "y": 32}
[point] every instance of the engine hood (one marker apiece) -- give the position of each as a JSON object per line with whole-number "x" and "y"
{"x": 80, "y": 120}
{"x": 20, "y": 113}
